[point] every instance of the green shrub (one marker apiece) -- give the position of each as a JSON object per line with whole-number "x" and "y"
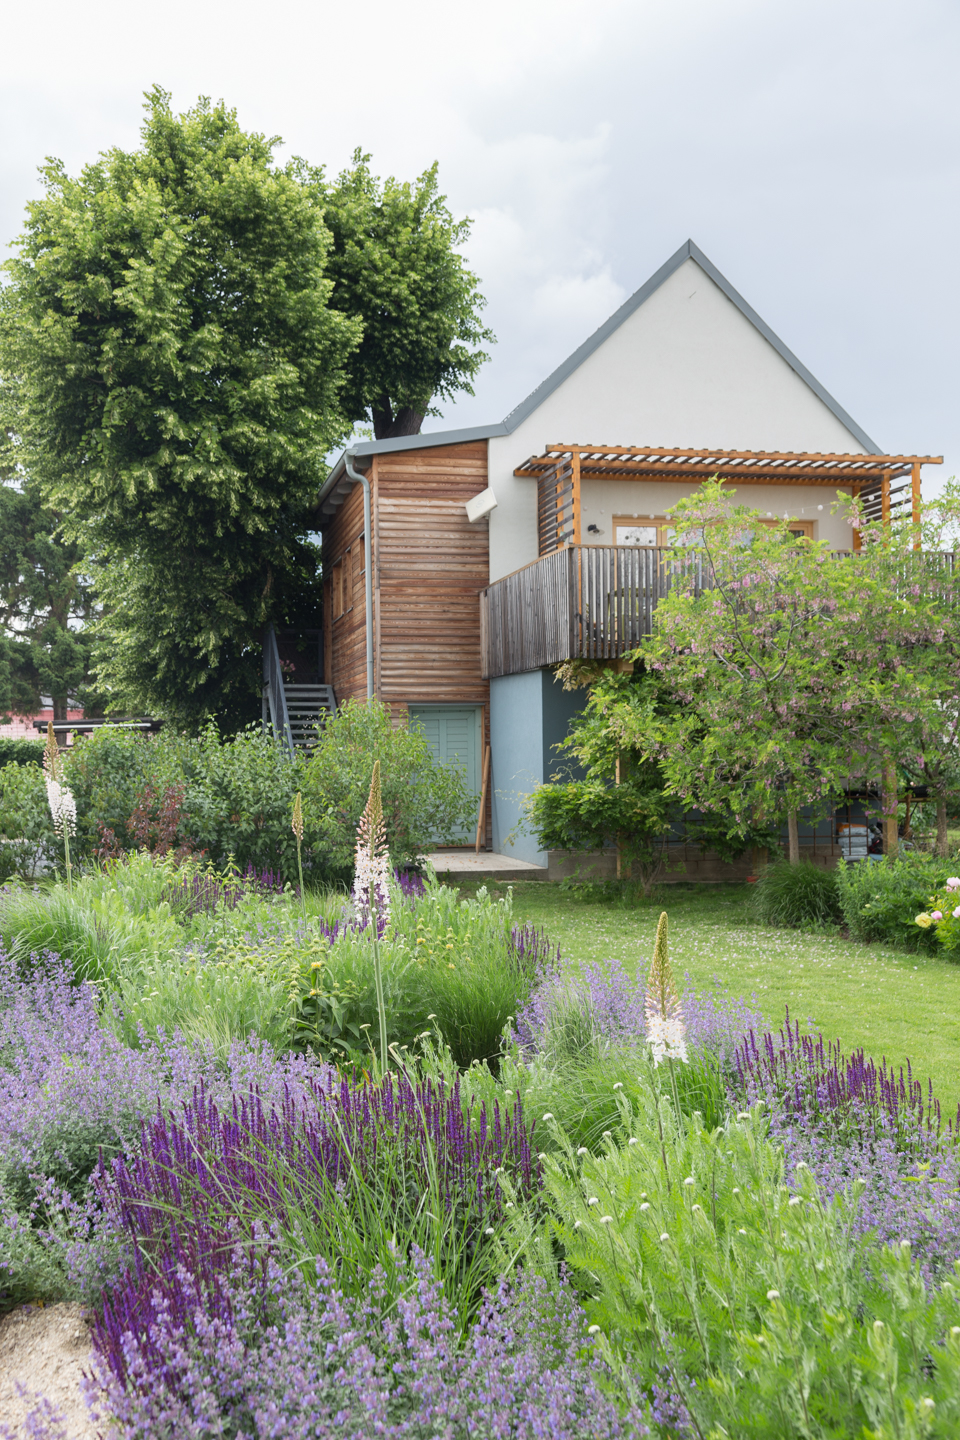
{"x": 880, "y": 901}
{"x": 27, "y": 839}
{"x": 748, "y": 1298}
{"x": 797, "y": 895}
{"x": 20, "y": 751}
{"x": 449, "y": 965}
{"x": 424, "y": 801}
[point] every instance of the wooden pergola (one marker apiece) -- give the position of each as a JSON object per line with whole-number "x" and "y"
{"x": 561, "y": 468}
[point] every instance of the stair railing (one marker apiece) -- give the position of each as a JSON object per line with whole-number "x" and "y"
{"x": 274, "y": 698}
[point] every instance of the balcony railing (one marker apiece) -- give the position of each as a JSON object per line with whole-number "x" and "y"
{"x": 585, "y": 602}
{"x": 588, "y": 602}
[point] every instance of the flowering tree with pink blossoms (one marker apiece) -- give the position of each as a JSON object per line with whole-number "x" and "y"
{"x": 784, "y": 694}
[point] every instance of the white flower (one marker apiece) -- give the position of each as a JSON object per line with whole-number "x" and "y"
{"x": 664, "y": 1237}
{"x": 796, "y": 1200}
{"x": 689, "y": 1180}
{"x": 593, "y": 1330}
{"x": 577, "y": 1224}
{"x": 593, "y": 1200}
{"x": 63, "y": 807}
{"x": 606, "y": 1219}
{"x": 489, "y": 1230}
{"x": 583, "y": 1150}
{"x": 645, "y": 1205}
{"x": 632, "y": 1140}
{"x": 741, "y": 1231}
{"x": 548, "y": 1116}
{"x": 619, "y": 1085}
{"x": 773, "y": 1294}
{"x": 666, "y": 1038}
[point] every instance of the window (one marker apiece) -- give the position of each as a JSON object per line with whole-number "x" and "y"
{"x": 639, "y": 530}
{"x": 348, "y": 580}
{"x": 362, "y": 558}
{"x": 336, "y": 588}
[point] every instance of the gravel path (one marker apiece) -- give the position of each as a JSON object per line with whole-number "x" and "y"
{"x": 44, "y": 1349}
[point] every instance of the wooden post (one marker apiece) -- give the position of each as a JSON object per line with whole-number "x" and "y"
{"x": 885, "y": 497}
{"x": 575, "y": 498}
{"x": 483, "y": 797}
{"x": 890, "y": 840}
{"x": 915, "y": 489}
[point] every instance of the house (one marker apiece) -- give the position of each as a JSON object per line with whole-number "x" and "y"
{"x": 460, "y": 566}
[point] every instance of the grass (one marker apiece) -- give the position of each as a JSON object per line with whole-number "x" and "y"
{"x": 892, "y": 1003}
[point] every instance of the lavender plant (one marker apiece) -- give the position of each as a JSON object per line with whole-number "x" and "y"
{"x": 251, "y": 1350}
{"x": 358, "y": 1174}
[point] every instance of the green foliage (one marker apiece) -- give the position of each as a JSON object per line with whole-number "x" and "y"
{"x": 880, "y": 901}
{"x": 449, "y": 969}
{"x": 27, "y": 839}
{"x": 45, "y": 602}
{"x": 797, "y": 895}
{"x": 394, "y": 263}
{"x": 624, "y": 799}
{"x": 171, "y": 371}
{"x": 424, "y": 802}
{"x": 780, "y": 661}
{"x": 20, "y": 751}
{"x": 699, "y": 1265}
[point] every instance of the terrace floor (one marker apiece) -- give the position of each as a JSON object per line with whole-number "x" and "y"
{"x": 465, "y": 864}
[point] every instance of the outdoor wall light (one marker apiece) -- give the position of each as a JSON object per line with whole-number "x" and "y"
{"x": 593, "y": 529}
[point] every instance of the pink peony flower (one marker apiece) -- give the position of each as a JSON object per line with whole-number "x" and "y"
{"x": 936, "y": 914}
{"x": 956, "y": 913}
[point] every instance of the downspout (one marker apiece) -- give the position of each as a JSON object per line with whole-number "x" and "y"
{"x": 368, "y": 568}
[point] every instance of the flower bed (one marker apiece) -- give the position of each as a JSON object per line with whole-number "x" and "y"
{"x": 567, "y": 1204}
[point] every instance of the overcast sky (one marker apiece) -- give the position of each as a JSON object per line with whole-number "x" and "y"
{"x": 810, "y": 149}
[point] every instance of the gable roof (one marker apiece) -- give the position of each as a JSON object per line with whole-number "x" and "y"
{"x": 688, "y": 251}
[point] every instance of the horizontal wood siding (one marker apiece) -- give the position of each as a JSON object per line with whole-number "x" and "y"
{"x": 345, "y": 663}
{"x": 431, "y": 566}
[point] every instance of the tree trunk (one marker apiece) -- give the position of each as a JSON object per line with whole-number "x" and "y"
{"x": 943, "y": 848}
{"x": 793, "y": 836}
{"x": 390, "y": 426}
{"x": 891, "y": 842}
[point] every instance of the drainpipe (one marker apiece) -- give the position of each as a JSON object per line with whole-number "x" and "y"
{"x": 368, "y": 568}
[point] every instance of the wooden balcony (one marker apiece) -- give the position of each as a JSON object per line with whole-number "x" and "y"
{"x": 584, "y": 602}
{"x": 590, "y": 602}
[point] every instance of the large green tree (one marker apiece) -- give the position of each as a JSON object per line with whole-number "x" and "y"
{"x": 45, "y": 605}
{"x": 395, "y": 262}
{"x": 171, "y": 372}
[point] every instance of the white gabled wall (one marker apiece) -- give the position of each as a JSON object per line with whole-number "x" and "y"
{"x": 686, "y": 368}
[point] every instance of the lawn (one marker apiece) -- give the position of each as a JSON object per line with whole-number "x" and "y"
{"x": 894, "y": 1004}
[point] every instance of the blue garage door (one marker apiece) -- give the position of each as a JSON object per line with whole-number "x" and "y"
{"x": 455, "y": 735}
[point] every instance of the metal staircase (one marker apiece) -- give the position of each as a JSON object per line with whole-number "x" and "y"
{"x": 308, "y": 707}
{"x": 295, "y": 712}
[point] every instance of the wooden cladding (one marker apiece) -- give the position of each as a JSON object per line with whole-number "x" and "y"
{"x": 343, "y": 599}
{"x": 430, "y": 567}
{"x": 591, "y": 602}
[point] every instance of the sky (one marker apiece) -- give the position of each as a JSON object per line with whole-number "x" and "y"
{"x": 810, "y": 149}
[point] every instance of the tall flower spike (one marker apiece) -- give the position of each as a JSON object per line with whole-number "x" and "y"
{"x": 371, "y": 881}
{"x": 52, "y": 761}
{"x": 665, "y": 1028}
{"x": 297, "y": 822}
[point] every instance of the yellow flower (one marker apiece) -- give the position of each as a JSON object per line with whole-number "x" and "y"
{"x": 317, "y": 965}
{"x": 924, "y": 920}
{"x": 451, "y": 967}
